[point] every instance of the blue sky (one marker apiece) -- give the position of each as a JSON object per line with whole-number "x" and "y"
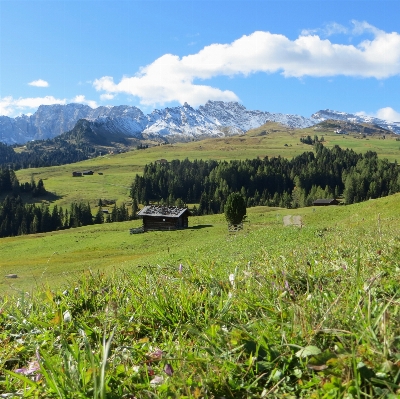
{"x": 279, "y": 56}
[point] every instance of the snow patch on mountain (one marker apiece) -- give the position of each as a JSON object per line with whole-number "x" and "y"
{"x": 356, "y": 118}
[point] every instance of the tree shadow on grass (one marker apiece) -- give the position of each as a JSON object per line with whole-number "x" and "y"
{"x": 200, "y": 226}
{"x": 47, "y": 198}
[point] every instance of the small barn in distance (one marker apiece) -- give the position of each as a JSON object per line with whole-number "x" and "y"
{"x": 326, "y": 202}
{"x": 84, "y": 173}
{"x": 158, "y": 217}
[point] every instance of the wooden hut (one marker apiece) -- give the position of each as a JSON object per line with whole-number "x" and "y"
{"x": 157, "y": 217}
{"x": 326, "y": 202}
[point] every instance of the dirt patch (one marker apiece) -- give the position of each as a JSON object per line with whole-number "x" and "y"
{"x": 287, "y": 220}
{"x": 290, "y": 220}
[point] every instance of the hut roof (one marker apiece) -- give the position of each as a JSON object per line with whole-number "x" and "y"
{"x": 160, "y": 210}
{"x": 325, "y": 201}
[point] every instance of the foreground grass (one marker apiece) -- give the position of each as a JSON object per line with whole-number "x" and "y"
{"x": 272, "y": 311}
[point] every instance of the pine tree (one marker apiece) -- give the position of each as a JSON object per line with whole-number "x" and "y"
{"x": 99, "y": 218}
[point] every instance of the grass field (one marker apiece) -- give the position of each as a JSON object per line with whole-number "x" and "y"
{"x": 119, "y": 170}
{"x": 54, "y": 258}
{"x": 271, "y": 311}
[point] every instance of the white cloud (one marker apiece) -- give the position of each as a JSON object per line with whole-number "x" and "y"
{"x": 171, "y": 78}
{"x": 334, "y": 29}
{"x": 39, "y": 83}
{"x": 80, "y": 99}
{"x": 330, "y": 29}
{"x": 388, "y": 114}
{"x": 107, "y": 96}
{"x": 10, "y": 106}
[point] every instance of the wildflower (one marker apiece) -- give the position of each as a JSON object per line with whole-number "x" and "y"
{"x": 180, "y": 268}
{"x": 232, "y": 279}
{"x": 135, "y": 369}
{"x": 288, "y": 289}
{"x": 168, "y": 370}
{"x": 32, "y": 369}
{"x": 157, "y": 354}
{"x": 157, "y": 380}
{"x": 67, "y": 316}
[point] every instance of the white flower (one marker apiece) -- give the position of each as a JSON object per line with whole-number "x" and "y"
{"x": 232, "y": 279}
{"x": 135, "y": 369}
{"x": 157, "y": 380}
{"x": 67, "y": 316}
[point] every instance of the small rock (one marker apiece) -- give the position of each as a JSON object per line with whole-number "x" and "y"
{"x": 11, "y": 276}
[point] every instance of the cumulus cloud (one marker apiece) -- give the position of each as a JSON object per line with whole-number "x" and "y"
{"x": 172, "y": 78}
{"x": 39, "y": 83}
{"x": 388, "y": 114}
{"x": 10, "y": 106}
{"x": 81, "y": 99}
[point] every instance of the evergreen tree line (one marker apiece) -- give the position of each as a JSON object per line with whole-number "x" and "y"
{"x": 10, "y": 184}
{"x": 277, "y": 181}
{"x": 17, "y": 218}
{"x": 310, "y": 141}
{"x": 38, "y": 154}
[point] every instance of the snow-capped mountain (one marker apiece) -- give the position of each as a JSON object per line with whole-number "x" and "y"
{"x": 343, "y": 116}
{"x": 234, "y": 114}
{"x": 214, "y": 119}
{"x": 51, "y": 120}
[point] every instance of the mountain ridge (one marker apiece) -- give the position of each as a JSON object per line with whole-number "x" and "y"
{"x": 182, "y": 123}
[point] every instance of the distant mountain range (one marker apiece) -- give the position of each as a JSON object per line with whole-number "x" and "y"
{"x": 184, "y": 123}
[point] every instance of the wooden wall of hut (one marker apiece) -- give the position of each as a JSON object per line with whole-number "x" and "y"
{"x": 164, "y": 223}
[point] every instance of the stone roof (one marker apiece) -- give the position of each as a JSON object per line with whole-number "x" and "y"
{"x": 161, "y": 210}
{"x": 324, "y": 201}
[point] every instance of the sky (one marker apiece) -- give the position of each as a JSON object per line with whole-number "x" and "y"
{"x": 293, "y": 57}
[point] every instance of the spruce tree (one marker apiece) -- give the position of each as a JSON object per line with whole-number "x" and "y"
{"x": 235, "y": 208}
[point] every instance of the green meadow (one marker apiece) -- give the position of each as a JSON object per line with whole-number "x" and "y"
{"x": 302, "y": 303}
{"x": 119, "y": 169}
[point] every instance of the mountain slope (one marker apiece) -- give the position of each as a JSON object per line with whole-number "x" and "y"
{"x": 343, "y": 116}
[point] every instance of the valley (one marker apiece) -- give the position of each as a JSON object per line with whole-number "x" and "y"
{"x": 119, "y": 170}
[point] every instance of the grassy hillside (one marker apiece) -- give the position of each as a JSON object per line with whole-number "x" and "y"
{"x": 119, "y": 170}
{"x": 51, "y": 258}
{"x": 272, "y": 311}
